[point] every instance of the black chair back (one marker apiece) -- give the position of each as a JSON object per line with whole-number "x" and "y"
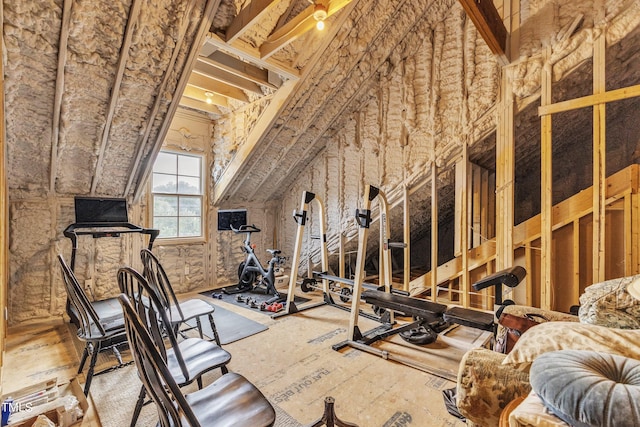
{"x": 153, "y": 370}
{"x": 159, "y": 281}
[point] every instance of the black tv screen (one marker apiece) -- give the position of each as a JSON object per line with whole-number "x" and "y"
{"x": 235, "y": 217}
{"x": 98, "y": 209}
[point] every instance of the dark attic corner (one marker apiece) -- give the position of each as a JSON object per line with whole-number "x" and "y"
{"x": 319, "y": 212}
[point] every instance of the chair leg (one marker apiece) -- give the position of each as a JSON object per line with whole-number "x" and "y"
{"x": 329, "y": 418}
{"x": 139, "y": 405}
{"x": 199, "y": 323}
{"x": 83, "y": 360}
{"x": 216, "y": 337}
{"x": 92, "y": 365}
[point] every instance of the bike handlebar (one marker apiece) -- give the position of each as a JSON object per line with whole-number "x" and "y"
{"x": 245, "y": 228}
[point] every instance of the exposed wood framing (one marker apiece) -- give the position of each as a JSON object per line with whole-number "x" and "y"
{"x": 142, "y": 142}
{"x": 434, "y": 231}
{"x": 599, "y": 161}
{"x": 248, "y": 16}
{"x": 489, "y": 24}
{"x": 199, "y": 105}
{"x": 132, "y": 20}
{"x": 198, "y": 94}
{"x": 464, "y": 230}
{"x": 239, "y": 68}
{"x": 590, "y": 100}
{"x": 205, "y": 24}
{"x": 505, "y": 170}
{"x": 293, "y": 29}
{"x": 254, "y": 137}
{"x": 57, "y": 101}
{"x": 546, "y": 243}
{"x": 211, "y": 84}
{"x": 225, "y": 77}
{"x": 407, "y": 238}
{"x": 226, "y": 178}
{"x": 252, "y": 54}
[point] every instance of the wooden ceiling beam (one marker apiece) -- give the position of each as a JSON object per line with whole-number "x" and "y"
{"x": 208, "y": 70}
{"x": 200, "y": 95}
{"x": 251, "y": 54}
{"x": 239, "y": 68}
{"x": 142, "y": 141}
{"x": 57, "y": 104}
{"x": 248, "y": 17}
{"x": 134, "y": 13}
{"x": 489, "y": 24}
{"x": 199, "y": 105}
{"x": 296, "y": 27}
{"x": 214, "y": 85}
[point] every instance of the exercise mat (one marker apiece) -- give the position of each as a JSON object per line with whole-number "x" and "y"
{"x": 231, "y": 326}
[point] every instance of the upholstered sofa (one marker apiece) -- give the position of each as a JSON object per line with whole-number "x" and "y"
{"x": 608, "y": 321}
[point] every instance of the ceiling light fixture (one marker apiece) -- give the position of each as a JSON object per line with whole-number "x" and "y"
{"x": 209, "y": 96}
{"x": 320, "y": 14}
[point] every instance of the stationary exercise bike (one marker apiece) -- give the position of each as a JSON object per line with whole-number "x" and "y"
{"x": 251, "y": 273}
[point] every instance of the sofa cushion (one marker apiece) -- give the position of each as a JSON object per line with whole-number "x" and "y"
{"x": 552, "y": 336}
{"x": 588, "y": 388}
{"x": 610, "y": 304}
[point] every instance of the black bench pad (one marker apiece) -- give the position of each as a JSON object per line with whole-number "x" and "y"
{"x": 402, "y": 304}
{"x": 472, "y": 318}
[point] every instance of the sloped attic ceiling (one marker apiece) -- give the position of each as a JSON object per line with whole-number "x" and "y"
{"x": 91, "y": 86}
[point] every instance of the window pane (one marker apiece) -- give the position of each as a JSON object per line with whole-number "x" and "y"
{"x": 189, "y": 165}
{"x": 164, "y": 183}
{"x": 190, "y": 206}
{"x": 168, "y": 226}
{"x": 165, "y": 206}
{"x": 190, "y": 227}
{"x": 189, "y": 185}
{"x": 166, "y": 163}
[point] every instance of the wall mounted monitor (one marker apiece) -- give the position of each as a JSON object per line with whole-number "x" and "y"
{"x": 229, "y": 217}
{"x": 100, "y": 210}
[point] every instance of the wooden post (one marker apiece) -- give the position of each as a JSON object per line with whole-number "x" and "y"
{"x": 505, "y": 169}
{"x": 407, "y": 240}
{"x": 434, "y": 231}
{"x": 599, "y": 160}
{"x": 464, "y": 235}
{"x": 546, "y": 178}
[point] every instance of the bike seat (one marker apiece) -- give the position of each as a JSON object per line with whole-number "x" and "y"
{"x": 274, "y": 251}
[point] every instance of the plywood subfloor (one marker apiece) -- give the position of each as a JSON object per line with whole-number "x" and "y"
{"x": 294, "y": 365}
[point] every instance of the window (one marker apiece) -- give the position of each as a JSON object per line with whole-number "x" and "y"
{"x": 177, "y": 195}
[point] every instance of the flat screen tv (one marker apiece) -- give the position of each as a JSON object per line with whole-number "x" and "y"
{"x": 228, "y": 217}
{"x": 100, "y": 209}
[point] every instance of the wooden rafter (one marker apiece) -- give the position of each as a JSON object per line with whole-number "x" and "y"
{"x": 212, "y": 84}
{"x": 209, "y": 70}
{"x": 239, "y": 68}
{"x": 205, "y": 24}
{"x": 142, "y": 142}
{"x": 134, "y": 11}
{"x": 198, "y": 94}
{"x": 489, "y": 24}
{"x": 57, "y": 104}
{"x": 252, "y": 55}
{"x": 248, "y": 16}
{"x": 199, "y": 105}
{"x": 295, "y": 28}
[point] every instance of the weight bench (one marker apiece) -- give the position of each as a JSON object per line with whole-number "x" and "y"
{"x": 431, "y": 311}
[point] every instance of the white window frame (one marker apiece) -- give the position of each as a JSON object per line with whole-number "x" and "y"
{"x": 201, "y": 196}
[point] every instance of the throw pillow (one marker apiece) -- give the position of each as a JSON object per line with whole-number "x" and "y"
{"x": 587, "y": 388}
{"x": 552, "y": 336}
{"x": 609, "y": 304}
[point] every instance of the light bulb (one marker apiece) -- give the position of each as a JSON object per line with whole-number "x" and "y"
{"x": 320, "y": 25}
